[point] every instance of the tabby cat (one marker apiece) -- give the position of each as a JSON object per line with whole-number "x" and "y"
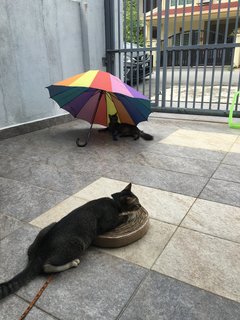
{"x": 125, "y": 130}
{"x": 60, "y": 245}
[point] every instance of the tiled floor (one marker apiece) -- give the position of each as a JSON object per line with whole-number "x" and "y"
{"x": 185, "y": 267}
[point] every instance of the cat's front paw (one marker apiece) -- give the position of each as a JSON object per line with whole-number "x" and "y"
{"x": 75, "y": 263}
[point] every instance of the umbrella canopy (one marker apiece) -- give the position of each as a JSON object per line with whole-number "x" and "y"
{"x": 95, "y": 94}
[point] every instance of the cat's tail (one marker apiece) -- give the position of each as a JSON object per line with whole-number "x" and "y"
{"x": 30, "y": 272}
{"x": 146, "y": 136}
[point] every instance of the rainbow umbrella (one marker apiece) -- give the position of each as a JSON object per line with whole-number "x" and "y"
{"x": 95, "y": 94}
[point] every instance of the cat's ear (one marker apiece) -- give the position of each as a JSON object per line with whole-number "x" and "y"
{"x": 128, "y": 187}
{"x": 118, "y": 195}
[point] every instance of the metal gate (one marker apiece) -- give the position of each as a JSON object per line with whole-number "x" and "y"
{"x": 183, "y": 54}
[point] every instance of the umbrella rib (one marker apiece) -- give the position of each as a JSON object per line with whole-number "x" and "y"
{"x": 97, "y": 104}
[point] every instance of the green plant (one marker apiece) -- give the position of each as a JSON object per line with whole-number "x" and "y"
{"x": 134, "y": 31}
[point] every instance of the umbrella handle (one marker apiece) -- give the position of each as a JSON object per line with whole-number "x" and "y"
{"x": 88, "y": 135}
{"x": 86, "y": 142}
{"x": 81, "y": 145}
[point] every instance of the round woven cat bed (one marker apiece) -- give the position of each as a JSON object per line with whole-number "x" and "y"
{"x": 133, "y": 229}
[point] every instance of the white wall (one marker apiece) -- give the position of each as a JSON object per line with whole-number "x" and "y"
{"x": 41, "y": 42}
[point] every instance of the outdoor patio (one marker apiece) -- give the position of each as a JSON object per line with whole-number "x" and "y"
{"x": 188, "y": 178}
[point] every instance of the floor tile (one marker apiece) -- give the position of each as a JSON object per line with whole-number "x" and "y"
{"x": 146, "y": 250}
{"x": 25, "y": 202}
{"x": 98, "y": 289}
{"x": 214, "y": 218}
{"x": 228, "y": 173}
{"x": 164, "y": 298}
{"x": 13, "y": 307}
{"x": 58, "y": 212}
{"x": 8, "y": 225}
{"x": 201, "y": 139}
{"x": 222, "y": 191}
{"x": 162, "y": 205}
{"x": 179, "y": 164}
{"x": 182, "y": 183}
{"x": 204, "y": 261}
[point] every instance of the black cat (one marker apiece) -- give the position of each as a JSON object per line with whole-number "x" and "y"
{"x": 60, "y": 245}
{"x": 124, "y": 129}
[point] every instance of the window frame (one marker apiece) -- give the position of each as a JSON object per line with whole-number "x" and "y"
{"x": 187, "y": 3}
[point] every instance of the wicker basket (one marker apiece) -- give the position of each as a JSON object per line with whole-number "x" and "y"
{"x": 135, "y": 228}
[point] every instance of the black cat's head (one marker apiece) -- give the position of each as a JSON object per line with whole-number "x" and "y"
{"x": 126, "y": 199}
{"x": 113, "y": 118}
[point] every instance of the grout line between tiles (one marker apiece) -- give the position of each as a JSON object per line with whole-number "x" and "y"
{"x": 36, "y": 186}
{"x": 163, "y": 221}
{"x": 221, "y": 179}
{"x": 177, "y": 227}
{"x": 19, "y": 221}
{"x": 209, "y": 178}
{"x": 37, "y": 307}
{"x": 217, "y": 168}
{"x": 132, "y": 296}
{"x": 1, "y": 239}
